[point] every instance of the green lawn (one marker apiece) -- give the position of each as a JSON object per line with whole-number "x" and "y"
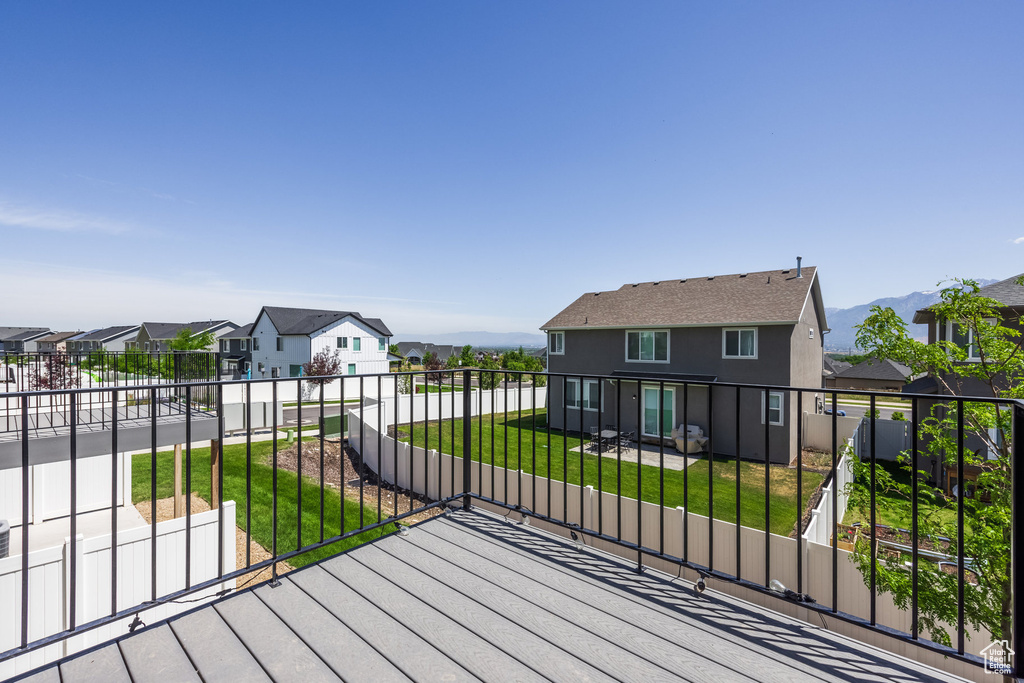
{"x": 892, "y": 509}
{"x": 524, "y": 444}
{"x": 433, "y": 388}
{"x": 316, "y": 404}
{"x": 262, "y": 498}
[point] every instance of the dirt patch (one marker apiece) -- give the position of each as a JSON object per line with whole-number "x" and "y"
{"x": 346, "y": 465}
{"x": 257, "y": 553}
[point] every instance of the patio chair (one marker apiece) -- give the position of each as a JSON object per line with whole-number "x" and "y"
{"x": 626, "y": 439}
{"x": 595, "y": 439}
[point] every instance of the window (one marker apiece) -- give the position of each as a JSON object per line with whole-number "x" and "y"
{"x": 225, "y": 345}
{"x": 739, "y": 343}
{"x": 342, "y": 342}
{"x": 275, "y": 372}
{"x": 242, "y": 345}
{"x": 351, "y": 368}
{"x": 652, "y": 401}
{"x": 295, "y": 370}
{"x": 556, "y": 343}
{"x": 261, "y": 367}
{"x": 591, "y": 394}
{"x": 647, "y": 346}
{"x": 146, "y": 346}
{"x": 280, "y": 344}
{"x": 965, "y": 337}
{"x": 775, "y": 403}
{"x": 356, "y": 344}
{"x": 382, "y": 344}
{"x": 255, "y": 343}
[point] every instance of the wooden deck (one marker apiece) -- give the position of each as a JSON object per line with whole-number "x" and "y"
{"x": 473, "y": 597}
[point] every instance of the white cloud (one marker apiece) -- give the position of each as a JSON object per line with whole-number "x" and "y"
{"x": 56, "y": 220}
{"x": 122, "y": 298}
{"x": 1019, "y": 240}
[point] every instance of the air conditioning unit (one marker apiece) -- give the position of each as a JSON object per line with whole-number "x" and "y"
{"x": 5, "y": 538}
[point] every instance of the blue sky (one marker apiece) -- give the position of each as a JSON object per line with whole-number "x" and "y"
{"x": 479, "y": 165}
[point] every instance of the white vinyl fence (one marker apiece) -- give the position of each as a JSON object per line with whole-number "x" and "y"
{"x": 439, "y": 475}
{"x": 49, "y": 488}
{"x": 817, "y": 430}
{"x": 50, "y": 588}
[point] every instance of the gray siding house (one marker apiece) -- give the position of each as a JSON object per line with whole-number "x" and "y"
{"x": 56, "y": 342}
{"x": 21, "y": 339}
{"x": 156, "y": 337}
{"x": 752, "y": 328}
{"x": 107, "y": 339}
{"x": 236, "y": 352}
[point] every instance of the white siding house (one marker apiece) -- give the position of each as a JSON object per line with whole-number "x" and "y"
{"x": 283, "y": 339}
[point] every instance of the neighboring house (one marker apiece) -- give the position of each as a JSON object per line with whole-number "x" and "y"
{"x": 111, "y": 339}
{"x": 873, "y": 374}
{"x": 830, "y": 368}
{"x": 754, "y": 328}
{"x": 414, "y": 352}
{"x": 56, "y": 342}
{"x": 157, "y": 337}
{"x": 236, "y": 351}
{"x": 1010, "y": 295}
{"x": 284, "y": 339}
{"x": 21, "y": 339}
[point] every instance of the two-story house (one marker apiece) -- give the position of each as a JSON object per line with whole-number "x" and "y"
{"x": 236, "y": 352}
{"x": 284, "y": 339}
{"x": 157, "y": 337}
{"x": 112, "y": 339}
{"x": 754, "y": 328}
{"x": 21, "y": 339}
{"x": 56, "y": 342}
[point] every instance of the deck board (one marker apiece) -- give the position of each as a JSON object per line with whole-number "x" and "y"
{"x": 275, "y": 646}
{"x": 155, "y": 656}
{"x": 471, "y": 597}
{"x": 213, "y": 648}
{"x": 346, "y": 653}
{"x": 501, "y": 631}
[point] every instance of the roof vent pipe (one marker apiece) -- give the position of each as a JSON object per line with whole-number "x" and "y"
{"x": 798, "y": 260}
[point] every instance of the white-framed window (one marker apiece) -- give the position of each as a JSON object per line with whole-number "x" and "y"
{"x": 275, "y": 372}
{"x": 966, "y": 336}
{"x": 242, "y": 345}
{"x": 776, "y": 400}
{"x": 280, "y": 345}
{"x": 145, "y": 346}
{"x": 556, "y": 343}
{"x": 351, "y": 368}
{"x": 255, "y": 343}
{"x": 739, "y": 343}
{"x": 225, "y": 345}
{"x": 261, "y": 367}
{"x": 342, "y": 342}
{"x": 357, "y": 344}
{"x": 591, "y": 394}
{"x": 647, "y": 346}
{"x": 382, "y": 343}
{"x": 651, "y": 403}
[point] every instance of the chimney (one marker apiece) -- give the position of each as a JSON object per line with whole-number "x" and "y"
{"x": 798, "y": 260}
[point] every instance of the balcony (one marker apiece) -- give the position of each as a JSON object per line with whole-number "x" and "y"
{"x": 459, "y": 534}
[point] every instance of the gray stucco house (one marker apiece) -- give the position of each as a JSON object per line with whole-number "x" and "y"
{"x": 753, "y": 328}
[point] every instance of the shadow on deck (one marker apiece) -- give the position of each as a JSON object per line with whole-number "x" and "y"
{"x": 472, "y": 597}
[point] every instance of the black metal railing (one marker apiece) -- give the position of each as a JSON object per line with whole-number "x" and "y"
{"x": 39, "y": 373}
{"x": 684, "y": 471}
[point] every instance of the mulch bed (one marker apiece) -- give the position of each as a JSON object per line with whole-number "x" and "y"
{"x": 344, "y": 464}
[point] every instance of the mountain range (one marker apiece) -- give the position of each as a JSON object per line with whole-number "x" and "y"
{"x": 844, "y": 321}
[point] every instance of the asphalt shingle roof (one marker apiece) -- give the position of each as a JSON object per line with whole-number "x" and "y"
{"x": 1007, "y": 292}
{"x": 59, "y": 336}
{"x": 872, "y": 368}
{"x": 170, "y": 330}
{"x": 243, "y": 332}
{"x": 15, "y": 333}
{"x": 774, "y": 296}
{"x": 309, "y": 320}
{"x": 107, "y": 333}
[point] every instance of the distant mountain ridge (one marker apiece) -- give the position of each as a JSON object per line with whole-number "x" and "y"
{"x": 844, "y": 321}
{"x": 479, "y": 338}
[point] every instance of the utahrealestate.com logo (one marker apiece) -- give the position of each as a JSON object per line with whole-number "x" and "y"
{"x": 997, "y": 657}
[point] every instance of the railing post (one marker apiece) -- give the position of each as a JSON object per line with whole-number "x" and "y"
{"x": 1017, "y": 529}
{"x": 467, "y": 439}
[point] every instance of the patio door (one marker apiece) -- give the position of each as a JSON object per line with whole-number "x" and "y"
{"x": 651, "y": 403}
